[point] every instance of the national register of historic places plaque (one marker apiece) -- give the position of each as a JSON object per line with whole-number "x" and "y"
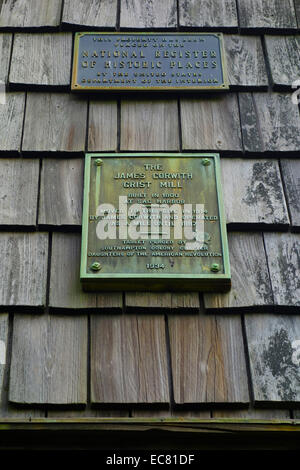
{"x": 154, "y": 222}
{"x": 149, "y": 61}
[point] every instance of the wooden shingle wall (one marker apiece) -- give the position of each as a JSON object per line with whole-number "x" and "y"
{"x": 66, "y": 353}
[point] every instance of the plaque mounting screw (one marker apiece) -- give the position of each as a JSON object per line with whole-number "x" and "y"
{"x": 98, "y": 162}
{"x": 96, "y": 266}
{"x": 215, "y": 267}
{"x": 206, "y": 161}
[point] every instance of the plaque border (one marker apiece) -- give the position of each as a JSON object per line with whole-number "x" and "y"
{"x": 157, "y": 282}
{"x": 77, "y": 87}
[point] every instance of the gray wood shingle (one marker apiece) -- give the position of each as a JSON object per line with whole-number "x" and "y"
{"x": 4, "y": 329}
{"x": 61, "y": 192}
{"x": 291, "y": 177}
{"x": 251, "y": 286}
{"x": 284, "y": 57}
{"x": 49, "y": 360}
{"x": 150, "y": 14}
{"x": 137, "y": 301}
{"x": 283, "y": 252}
{"x": 11, "y": 122}
{"x": 65, "y": 289}
{"x": 267, "y": 15}
{"x": 90, "y": 13}
{"x": 220, "y": 14}
{"x": 254, "y": 195}
{"x": 245, "y": 62}
{"x": 103, "y": 125}
{"x": 208, "y": 362}
{"x": 30, "y": 13}
{"x": 5, "y": 49}
{"x": 211, "y": 123}
{"x": 41, "y": 59}
{"x": 129, "y": 359}
{"x": 273, "y": 343}
{"x": 270, "y": 123}
{"x": 23, "y": 269}
{"x": 61, "y": 126}
{"x": 19, "y": 180}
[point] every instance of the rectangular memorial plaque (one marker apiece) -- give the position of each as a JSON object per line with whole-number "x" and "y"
{"x": 149, "y": 61}
{"x": 154, "y": 222}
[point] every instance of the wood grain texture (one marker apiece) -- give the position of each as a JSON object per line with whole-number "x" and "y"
{"x": 211, "y": 123}
{"x": 245, "y": 61}
{"x": 164, "y": 301}
{"x": 283, "y": 56}
{"x": 291, "y": 178}
{"x": 255, "y": 194}
{"x": 208, "y": 361}
{"x": 265, "y": 15}
{"x": 220, "y": 14}
{"x": 88, "y": 412}
{"x": 23, "y": 269}
{"x": 184, "y": 414}
{"x": 5, "y": 49}
{"x": 274, "y": 345}
{"x": 149, "y": 125}
{"x": 297, "y": 9}
{"x": 61, "y": 126}
{"x": 103, "y": 126}
{"x": 65, "y": 289}
{"x": 270, "y": 123}
{"x": 150, "y": 14}
{"x": 252, "y": 414}
{"x": 283, "y": 252}
{"x": 4, "y": 329}
{"x": 11, "y": 122}
{"x": 251, "y": 286}
{"x": 61, "y": 192}
{"x": 19, "y": 180}
{"x": 129, "y": 360}
{"x": 30, "y": 13}
{"x": 55, "y": 67}
{"x": 94, "y": 13}
{"x": 49, "y": 360}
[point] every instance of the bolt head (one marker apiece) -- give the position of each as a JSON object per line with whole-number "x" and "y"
{"x": 206, "y": 162}
{"x": 98, "y": 162}
{"x": 215, "y": 267}
{"x": 96, "y": 266}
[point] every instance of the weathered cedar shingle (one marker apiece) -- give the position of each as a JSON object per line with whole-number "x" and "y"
{"x": 30, "y": 13}
{"x": 211, "y": 123}
{"x": 270, "y": 123}
{"x": 251, "y": 413}
{"x": 103, "y": 125}
{"x": 23, "y": 269}
{"x": 129, "y": 359}
{"x": 291, "y": 178}
{"x": 65, "y": 289}
{"x": 149, "y": 125}
{"x": 61, "y": 123}
{"x": 49, "y": 360}
{"x": 297, "y": 8}
{"x": 254, "y": 195}
{"x": 245, "y": 61}
{"x": 41, "y": 59}
{"x": 273, "y": 343}
{"x": 266, "y": 15}
{"x": 4, "y": 328}
{"x": 137, "y": 301}
{"x": 284, "y": 57}
{"x": 5, "y": 48}
{"x": 208, "y": 362}
{"x": 153, "y": 14}
{"x": 19, "y": 179}
{"x": 61, "y": 192}
{"x": 219, "y": 14}
{"x": 11, "y": 122}
{"x": 251, "y": 285}
{"x": 90, "y": 13}
{"x": 283, "y": 252}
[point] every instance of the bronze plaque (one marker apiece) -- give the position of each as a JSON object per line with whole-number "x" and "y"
{"x": 154, "y": 222}
{"x": 149, "y": 61}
